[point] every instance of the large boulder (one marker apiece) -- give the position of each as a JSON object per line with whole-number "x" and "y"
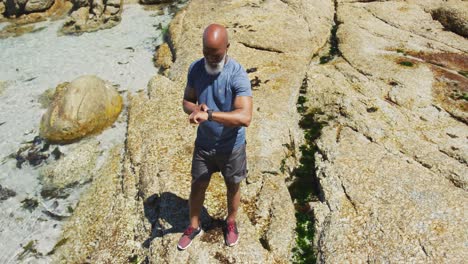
{"x": 86, "y": 105}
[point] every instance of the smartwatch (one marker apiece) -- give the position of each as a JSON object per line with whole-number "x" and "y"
{"x": 210, "y": 114}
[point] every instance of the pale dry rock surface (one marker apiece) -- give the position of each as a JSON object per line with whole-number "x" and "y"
{"x": 392, "y": 161}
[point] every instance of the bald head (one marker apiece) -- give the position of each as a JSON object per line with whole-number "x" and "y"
{"x": 215, "y": 36}
{"x": 215, "y": 43}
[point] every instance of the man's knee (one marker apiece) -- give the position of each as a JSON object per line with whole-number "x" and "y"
{"x": 232, "y": 187}
{"x": 200, "y": 185}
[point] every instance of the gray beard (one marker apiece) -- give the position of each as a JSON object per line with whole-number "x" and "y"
{"x": 217, "y": 69}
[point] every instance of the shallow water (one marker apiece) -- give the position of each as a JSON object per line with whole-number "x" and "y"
{"x": 32, "y": 63}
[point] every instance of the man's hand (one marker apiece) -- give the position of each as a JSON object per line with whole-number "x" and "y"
{"x": 199, "y": 114}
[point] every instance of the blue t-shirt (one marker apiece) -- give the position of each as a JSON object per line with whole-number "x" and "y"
{"x": 218, "y": 93}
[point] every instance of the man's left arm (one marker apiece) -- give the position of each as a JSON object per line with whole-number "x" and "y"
{"x": 240, "y": 116}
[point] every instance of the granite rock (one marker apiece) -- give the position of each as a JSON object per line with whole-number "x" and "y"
{"x": 391, "y": 161}
{"x": 86, "y": 105}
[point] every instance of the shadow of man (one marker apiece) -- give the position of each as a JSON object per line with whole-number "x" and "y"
{"x": 168, "y": 213}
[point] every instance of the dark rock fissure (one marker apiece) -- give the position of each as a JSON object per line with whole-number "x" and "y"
{"x": 305, "y": 187}
{"x": 253, "y": 46}
{"x": 423, "y": 248}
{"x": 348, "y": 197}
{"x": 250, "y": 213}
{"x": 457, "y": 158}
{"x": 334, "y": 49}
{"x": 457, "y": 118}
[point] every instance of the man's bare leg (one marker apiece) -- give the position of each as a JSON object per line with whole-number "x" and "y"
{"x": 197, "y": 197}
{"x": 233, "y": 200}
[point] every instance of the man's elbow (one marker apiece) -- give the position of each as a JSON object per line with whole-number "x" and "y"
{"x": 246, "y": 121}
{"x": 185, "y": 107}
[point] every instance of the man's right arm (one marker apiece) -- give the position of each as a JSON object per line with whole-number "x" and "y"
{"x": 190, "y": 100}
{"x": 190, "y": 105}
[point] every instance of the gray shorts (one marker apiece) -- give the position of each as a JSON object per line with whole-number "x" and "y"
{"x": 232, "y": 165}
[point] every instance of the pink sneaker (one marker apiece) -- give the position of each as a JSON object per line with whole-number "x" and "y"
{"x": 189, "y": 234}
{"x": 231, "y": 234}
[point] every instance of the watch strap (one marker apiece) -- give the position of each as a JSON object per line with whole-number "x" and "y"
{"x": 210, "y": 114}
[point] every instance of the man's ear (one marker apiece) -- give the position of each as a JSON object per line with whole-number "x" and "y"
{"x": 227, "y": 47}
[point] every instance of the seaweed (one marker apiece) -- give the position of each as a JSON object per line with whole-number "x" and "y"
{"x": 401, "y": 51}
{"x": 305, "y": 187}
{"x": 303, "y": 252}
{"x": 60, "y": 243}
{"x": 301, "y": 100}
{"x": 29, "y": 248}
{"x": 29, "y": 204}
{"x": 6, "y": 193}
{"x": 406, "y": 63}
{"x": 250, "y": 70}
{"x": 372, "y": 109}
{"x": 334, "y": 49}
{"x": 35, "y": 152}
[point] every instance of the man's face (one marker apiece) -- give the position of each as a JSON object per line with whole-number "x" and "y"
{"x": 213, "y": 56}
{"x": 214, "y": 59}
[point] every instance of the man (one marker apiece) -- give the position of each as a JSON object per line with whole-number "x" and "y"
{"x": 218, "y": 98}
